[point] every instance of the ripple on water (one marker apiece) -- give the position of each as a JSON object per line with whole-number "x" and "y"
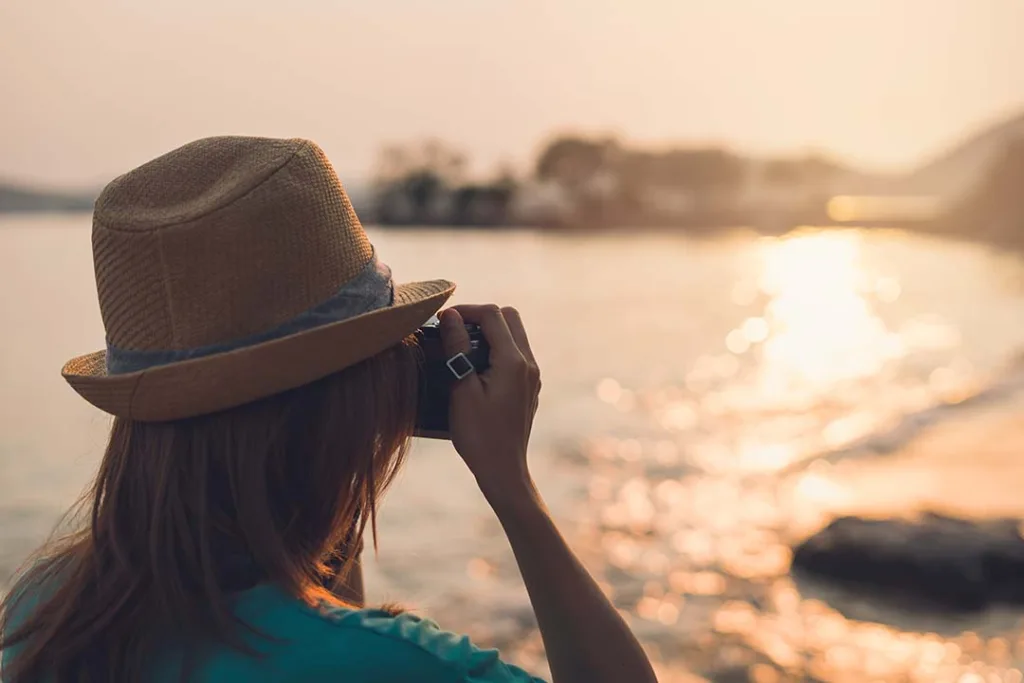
{"x": 694, "y": 543}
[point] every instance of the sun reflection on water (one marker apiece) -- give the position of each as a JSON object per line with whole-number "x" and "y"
{"x": 820, "y": 324}
{"x": 698, "y": 506}
{"x": 692, "y": 449}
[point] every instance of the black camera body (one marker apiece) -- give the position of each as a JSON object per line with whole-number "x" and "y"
{"x": 436, "y": 379}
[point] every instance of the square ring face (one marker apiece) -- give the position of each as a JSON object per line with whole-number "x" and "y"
{"x": 460, "y": 365}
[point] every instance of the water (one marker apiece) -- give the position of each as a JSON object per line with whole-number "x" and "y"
{"x": 706, "y": 402}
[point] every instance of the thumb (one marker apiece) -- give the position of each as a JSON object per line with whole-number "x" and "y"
{"x": 455, "y": 340}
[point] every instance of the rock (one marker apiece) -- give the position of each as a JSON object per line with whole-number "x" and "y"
{"x": 950, "y": 563}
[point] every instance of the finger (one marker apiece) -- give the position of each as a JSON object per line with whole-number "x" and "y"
{"x": 455, "y": 340}
{"x": 454, "y": 337}
{"x": 518, "y": 331}
{"x": 492, "y": 324}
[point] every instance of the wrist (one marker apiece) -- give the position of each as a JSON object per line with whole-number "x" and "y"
{"x": 512, "y": 496}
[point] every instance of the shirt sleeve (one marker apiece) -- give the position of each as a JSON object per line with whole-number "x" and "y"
{"x": 456, "y": 653}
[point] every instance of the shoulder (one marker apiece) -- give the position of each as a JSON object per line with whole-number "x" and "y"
{"x": 400, "y": 648}
{"x": 31, "y": 588}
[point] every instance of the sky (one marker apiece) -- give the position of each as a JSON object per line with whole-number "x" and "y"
{"x": 91, "y": 89}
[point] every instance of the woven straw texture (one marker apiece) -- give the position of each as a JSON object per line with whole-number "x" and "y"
{"x": 219, "y": 240}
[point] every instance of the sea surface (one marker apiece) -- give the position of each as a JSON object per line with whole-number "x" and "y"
{"x": 706, "y": 403}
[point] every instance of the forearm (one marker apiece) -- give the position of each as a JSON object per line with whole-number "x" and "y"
{"x": 585, "y": 638}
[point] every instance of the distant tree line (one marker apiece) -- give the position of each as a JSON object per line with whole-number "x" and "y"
{"x": 587, "y": 182}
{"x": 425, "y": 184}
{"x": 590, "y": 182}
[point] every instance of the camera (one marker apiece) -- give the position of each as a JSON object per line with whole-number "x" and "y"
{"x": 436, "y": 379}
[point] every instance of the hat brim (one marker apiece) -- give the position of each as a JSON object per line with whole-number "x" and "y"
{"x": 212, "y": 383}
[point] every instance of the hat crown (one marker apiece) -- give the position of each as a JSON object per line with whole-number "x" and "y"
{"x": 220, "y": 239}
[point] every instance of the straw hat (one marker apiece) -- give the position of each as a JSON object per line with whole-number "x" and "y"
{"x": 231, "y": 269}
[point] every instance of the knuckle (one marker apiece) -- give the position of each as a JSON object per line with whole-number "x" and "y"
{"x": 517, "y": 372}
{"x": 509, "y": 310}
{"x": 491, "y": 309}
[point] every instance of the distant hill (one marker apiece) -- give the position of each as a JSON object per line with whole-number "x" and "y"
{"x": 952, "y": 175}
{"x": 15, "y": 199}
{"x": 957, "y": 171}
{"x": 994, "y": 211}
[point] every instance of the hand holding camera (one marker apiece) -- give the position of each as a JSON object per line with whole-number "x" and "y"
{"x": 440, "y": 370}
{"x": 491, "y": 412}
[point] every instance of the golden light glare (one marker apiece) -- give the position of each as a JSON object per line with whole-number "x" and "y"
{"x": 823, "y": 329}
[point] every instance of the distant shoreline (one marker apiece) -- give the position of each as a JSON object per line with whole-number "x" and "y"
{"x": 693, "y": 232}
{"x": 20, "y": 200}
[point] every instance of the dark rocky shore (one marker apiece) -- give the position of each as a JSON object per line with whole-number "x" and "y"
{"x": 935, "y": 561}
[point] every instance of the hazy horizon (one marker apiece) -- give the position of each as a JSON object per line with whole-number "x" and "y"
{"x": 95, "y": 90}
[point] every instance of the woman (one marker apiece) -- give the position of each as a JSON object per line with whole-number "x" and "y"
{"x": 263, "y": 379}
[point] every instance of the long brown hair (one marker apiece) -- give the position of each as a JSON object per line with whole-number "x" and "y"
{"x": 184, "y": 513}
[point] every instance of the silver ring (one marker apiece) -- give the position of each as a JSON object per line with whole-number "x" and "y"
{"x": 460, "y": 365}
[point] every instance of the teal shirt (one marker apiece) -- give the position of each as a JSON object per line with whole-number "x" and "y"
{"x": 349, "y": 646}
